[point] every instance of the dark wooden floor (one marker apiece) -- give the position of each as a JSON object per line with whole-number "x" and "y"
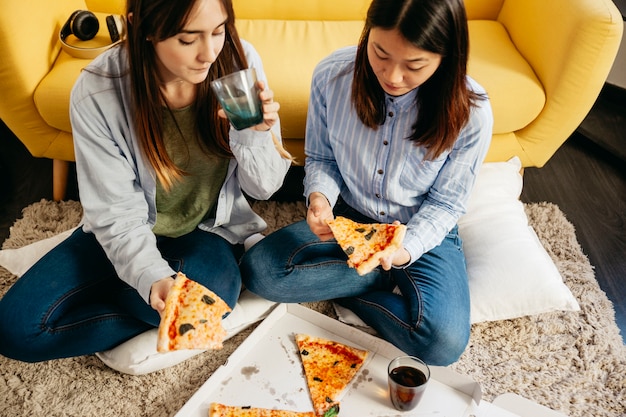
{"x": 587, "y": 181}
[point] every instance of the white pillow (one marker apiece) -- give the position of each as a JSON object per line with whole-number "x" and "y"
{"x": 17, "y": 261}
{"x": 139, "y": 356}
{"x": 510, "y": 273}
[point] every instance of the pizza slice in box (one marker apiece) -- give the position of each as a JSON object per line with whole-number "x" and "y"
{"x": 221, "y": 410}
{"x": 192, "y": 317}
{"x": 329, "y": 367}
{"x": 366, "y": 243}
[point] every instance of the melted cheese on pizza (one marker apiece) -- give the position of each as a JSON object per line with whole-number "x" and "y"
{"x": 361, "y": 242}
{"x": 329, "y": 367}
{"x": 192, "y": 317}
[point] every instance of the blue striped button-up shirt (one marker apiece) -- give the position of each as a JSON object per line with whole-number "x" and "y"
{"x": 379, "y": 172}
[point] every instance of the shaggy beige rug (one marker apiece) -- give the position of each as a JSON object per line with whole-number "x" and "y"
{"x": 574, "y": 362}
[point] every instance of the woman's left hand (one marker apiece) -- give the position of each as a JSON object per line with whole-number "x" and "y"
{"x": 398, "y": 258}
{"x": 269, "y": 106}
{"x": 158, "y": 293}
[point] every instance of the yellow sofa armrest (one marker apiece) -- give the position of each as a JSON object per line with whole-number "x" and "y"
{"x": 29, "y": 46}
{"x": 571, "y": 45}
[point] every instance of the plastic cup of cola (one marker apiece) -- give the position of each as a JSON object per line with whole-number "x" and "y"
{"x": 407, "y": 377}
{"x": 238, "y": 95}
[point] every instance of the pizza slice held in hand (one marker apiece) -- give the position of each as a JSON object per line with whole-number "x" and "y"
{"x": 192, "y": 317}
{"x": 329, "y": 367}
{"x": 366, "y": 243}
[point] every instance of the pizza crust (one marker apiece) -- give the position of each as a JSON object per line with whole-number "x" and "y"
{"x": 222, "y": 410}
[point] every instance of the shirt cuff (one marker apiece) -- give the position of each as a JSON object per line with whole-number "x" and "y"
{"x": 414, "y": 246}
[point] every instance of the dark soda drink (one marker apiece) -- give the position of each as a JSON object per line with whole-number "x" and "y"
{"x": 407, "y": 384}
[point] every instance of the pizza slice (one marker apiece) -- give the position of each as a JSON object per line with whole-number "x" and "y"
{"x": 221, "y": 410}
{"x": 192, "y": 317}
{"x": 365, "y": 244}
{"x": 329, "y": 367}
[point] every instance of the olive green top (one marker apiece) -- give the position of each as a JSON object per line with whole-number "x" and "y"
{"x": 193, "y": 198}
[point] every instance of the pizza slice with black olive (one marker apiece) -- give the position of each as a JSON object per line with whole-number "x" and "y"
{"x": 366, "y": 243}
{"x": 192, "y": 317}
{"x": 329, "y": 367}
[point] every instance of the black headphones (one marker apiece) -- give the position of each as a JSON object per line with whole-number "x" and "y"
{"x": 85, "y": 25}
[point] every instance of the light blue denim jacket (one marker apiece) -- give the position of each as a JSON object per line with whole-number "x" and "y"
{"x": 118, "y": 187}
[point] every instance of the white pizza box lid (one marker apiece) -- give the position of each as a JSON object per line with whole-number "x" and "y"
{"x": 513, "y": 405}
{"x": 266, "y": 371}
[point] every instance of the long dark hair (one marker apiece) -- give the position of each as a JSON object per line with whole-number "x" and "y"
{"x": 158, "y": 20}
{"x": 444, "y": 100}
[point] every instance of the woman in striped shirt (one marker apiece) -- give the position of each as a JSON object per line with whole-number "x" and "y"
{"x": 396, "y": 130}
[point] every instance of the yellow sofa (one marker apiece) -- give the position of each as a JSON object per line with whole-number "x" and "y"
{"x": 543, "y": 64}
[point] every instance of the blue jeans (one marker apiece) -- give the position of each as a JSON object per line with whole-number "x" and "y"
{"x": 72, "y": 302}
{"x": 431, "y": 319}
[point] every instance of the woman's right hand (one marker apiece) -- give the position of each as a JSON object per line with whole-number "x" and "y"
{"x": 158, "y": 294}
{"x": 318, "y": 212}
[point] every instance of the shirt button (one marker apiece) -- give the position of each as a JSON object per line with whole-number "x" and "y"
{"x": 380, "y": 171}
{"x": 382, "y": 213}
{"x": 385, "y": 142}
{"x": 377, "y": 195}
{"x": 390, "y": 114}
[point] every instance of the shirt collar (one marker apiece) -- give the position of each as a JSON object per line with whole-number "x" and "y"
{"x": 404, "y": 101}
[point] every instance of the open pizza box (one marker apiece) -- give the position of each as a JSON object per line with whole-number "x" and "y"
{"x": 266, "y": 371}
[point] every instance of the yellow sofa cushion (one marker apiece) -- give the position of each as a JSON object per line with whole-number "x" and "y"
{"x": 52, "y": 95}
{"x": 516, "y": 94}
{"x": 289, "y": 68}
{"x": 338, "y": 10}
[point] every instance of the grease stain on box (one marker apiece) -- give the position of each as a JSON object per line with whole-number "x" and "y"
{"x": 361, "y": 377}
{"x": 248, "y": 371}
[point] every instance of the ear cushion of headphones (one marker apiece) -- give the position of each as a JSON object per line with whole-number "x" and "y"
{"x": 117, "y": 27}
{"x": 84, "y": 25}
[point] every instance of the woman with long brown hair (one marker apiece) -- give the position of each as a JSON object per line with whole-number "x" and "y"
{"x": 396, "y": 131}
{"x": 162, "y": 178}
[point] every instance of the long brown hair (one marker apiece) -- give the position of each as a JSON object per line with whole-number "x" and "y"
{"x": 444, "y": 100}
{"x": 158, "y": 20}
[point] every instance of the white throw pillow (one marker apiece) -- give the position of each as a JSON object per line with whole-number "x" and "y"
{"x": 18, "y": 261}
{"x": 139, "y": 356}
{"x": 510, "y": 273}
